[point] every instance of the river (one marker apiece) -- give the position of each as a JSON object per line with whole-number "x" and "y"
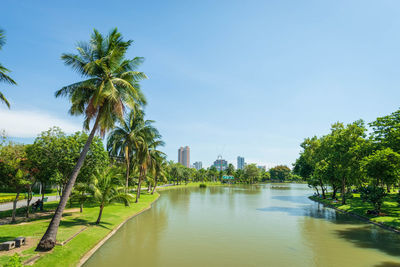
{"x": 259, "y": 225}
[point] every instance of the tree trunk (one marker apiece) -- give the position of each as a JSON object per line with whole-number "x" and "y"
{"x": 48, "y": 240}
{"x": 155, "y": 184}
{"x": 81, "y": 207}
{"x": 43, "y": 189}
{"x": 15, "y": 207}
{"x": 334, "y": 192}
{"x": 100, "y": 213}
{"x": 127, "y": 169}
{"x": 388, "y": 188}
{"x": 28, "y": 201}
{"x": 138, "y": 189}
{"x": 343, "y": 191}
{"x": 322, "y": 189}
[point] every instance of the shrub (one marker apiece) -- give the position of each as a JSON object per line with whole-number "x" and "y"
{"x": 5, "y": 199}
{"x": 373, "y": 195}
{"x": 202, "y": 185}
{"x": 14, "y": 261}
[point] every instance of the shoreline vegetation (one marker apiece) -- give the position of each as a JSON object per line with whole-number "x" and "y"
{"x": 388, "y": 219}
{"x": 78, "y": 233}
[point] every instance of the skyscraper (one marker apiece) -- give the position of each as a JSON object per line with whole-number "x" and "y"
{"x": 220, "y": 164}
{"x": 184, "y": 156}
{"x": 240, "y": 163}
{"x": 198, "y": 165}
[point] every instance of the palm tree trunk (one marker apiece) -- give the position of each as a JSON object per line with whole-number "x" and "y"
{"x": 100, "y": 213}
{"x": 14, "y": 207}
{"x": 48, "y": 240}
{"x": 155, "y": 184}
{"x": 127, "y": 169}
{"x": 139, "y": 184}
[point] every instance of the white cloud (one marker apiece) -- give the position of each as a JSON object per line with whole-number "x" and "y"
{"x": 26, "y": 123}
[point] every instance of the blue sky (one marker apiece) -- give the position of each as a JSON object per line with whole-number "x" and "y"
{"x": 249, "y": 78}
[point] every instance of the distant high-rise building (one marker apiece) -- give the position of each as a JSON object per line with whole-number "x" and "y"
{"x": 220, "y": 164}
{"x": 240, "y": 163}
{"x": 184, "y": 156}
{"x": 198, "y": 165}
{"x": 264, "y": 168}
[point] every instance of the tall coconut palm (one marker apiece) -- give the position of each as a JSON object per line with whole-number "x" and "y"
{"x": 125, "y": 139}
{"x": 158, "y": 166}
{"x": 146, "y": 144}
{"x": 107, "y": 189}
{"x": 3, "y": 70}
{"x": 110, "y": 85}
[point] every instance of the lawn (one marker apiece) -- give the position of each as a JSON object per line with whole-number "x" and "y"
{"x": 390, "y": 208}
{"x": 72, "y": 222}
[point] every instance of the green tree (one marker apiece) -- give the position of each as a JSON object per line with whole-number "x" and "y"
{"x": 280, "y": 172}
{"x": 14, "y": 170}
{"x": 126, "y": 139}
{"x": 251, "y": 173}
{"x": 108, "y": 189}
{"x": 230, "y": 170}
{"x": 110, "y": 87}
{"x": 386, "y": 131}
{"x": 382, "y": 167}
{"x": 3, "y": 71}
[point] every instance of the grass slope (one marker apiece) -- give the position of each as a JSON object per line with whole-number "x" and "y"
{"x": 72, "y": 222}
{"x": 355, "y": 205}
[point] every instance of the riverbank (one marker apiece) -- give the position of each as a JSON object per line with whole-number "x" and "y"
{"x": 77, "y": 233}
{"x": 390, "y": 213}
{"x": 78, "y": 237}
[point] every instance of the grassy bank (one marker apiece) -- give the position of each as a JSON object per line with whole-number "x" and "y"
{"x": 73, "y": 221}
{"x": 183, "y": 185}
{"x": 390, "y": 213}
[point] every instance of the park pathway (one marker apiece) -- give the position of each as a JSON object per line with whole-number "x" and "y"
{"x": 22, "y": 203}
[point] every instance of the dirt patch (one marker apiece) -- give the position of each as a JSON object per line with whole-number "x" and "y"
{"x": 29, "y": 242}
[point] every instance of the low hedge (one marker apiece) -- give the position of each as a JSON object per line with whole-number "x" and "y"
{"x": 5, "y": 199}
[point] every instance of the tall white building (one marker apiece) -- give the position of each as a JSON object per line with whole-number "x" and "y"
{"x": 240, "y": 163}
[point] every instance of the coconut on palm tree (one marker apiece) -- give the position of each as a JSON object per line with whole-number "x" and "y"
{"x": 110, "y": 87}
{"x": 3, "y": 71}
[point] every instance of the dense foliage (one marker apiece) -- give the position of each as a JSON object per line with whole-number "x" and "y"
{"x": 347, "y": 159}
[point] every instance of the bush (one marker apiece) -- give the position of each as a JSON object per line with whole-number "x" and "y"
{"x": 202, "y": 185}
{"x": 5, "y": 199}
{"x": 373, "y": 195}
{"x": 14, "y": 261}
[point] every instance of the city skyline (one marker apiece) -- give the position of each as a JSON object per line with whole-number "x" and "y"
{"x": 304, "y": 82}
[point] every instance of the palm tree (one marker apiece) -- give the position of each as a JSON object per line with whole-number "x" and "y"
{"x": 147, "y": 144}
{"x": 125, "y": 139}
{"x": 157, "y": 163}
{"x": 110, "y": 85}
{"x": 3, "y": 70}
{"x": 107, "y": 189}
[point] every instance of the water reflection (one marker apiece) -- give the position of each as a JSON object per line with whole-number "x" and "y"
{"x": 252, "y": 225}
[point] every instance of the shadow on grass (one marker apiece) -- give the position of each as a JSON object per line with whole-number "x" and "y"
{"x": 7, "y": 238}
{"x": 313, "y": 210}
{"x": 372, "y": 237}
{"x": 388, "y": 264}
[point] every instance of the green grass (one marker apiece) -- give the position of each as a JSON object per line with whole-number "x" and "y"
{"x": 390, "y": 208}
{"x": 71, "y": 253}
{"x": 72, "y": 222}
{"x": 183, "y": 185}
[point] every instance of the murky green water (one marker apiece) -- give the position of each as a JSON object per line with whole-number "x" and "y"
{"x": 263, "y": 225}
